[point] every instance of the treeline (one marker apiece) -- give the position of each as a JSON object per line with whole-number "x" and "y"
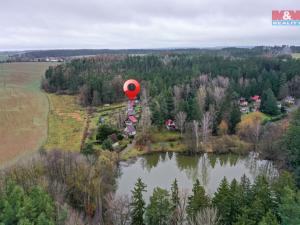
{"x": 228, "y": 51}
{"x": 247, "y": 77}
{"x": 235, "y": 203}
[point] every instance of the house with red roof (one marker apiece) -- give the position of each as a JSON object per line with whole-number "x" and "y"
{"x": 170, "y": 124}
{"x": 132, "y": 119}
{"x": 130, "y": 131}
{"x": 256, "y": 100}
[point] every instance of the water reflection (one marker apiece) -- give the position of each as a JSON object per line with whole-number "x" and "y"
{"x": 161, "y": 170}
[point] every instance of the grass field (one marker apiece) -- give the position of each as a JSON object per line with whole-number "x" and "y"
{"x": 23, "y": 109}
{"x": 296, "y": 55}
{"x": 161, "y": 141}
{"x": 66, "y": 123}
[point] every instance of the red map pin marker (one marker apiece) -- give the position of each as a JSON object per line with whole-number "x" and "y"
{"x": 131, "y": 88}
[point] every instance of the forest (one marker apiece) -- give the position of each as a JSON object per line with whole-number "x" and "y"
{"x": 202, "y": 93}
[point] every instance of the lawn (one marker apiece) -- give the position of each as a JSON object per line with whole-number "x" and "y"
{"x": 23, "y": 109}
{"x": 66, "y": 121}
{"x": 108, "y": 113}
{"x": 161, "y": 141}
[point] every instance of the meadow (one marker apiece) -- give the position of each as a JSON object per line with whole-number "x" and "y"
{"x": 23, "y": 109}
{"x": 296, "y": 55}
{"x": 67, "y": 121}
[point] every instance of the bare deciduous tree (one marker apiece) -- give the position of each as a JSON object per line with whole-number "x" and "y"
{"x": 196, "y": 133}
{"x": 177, "y": 90}
{"x": 294, "y": 86}
{"x": 191, "y": 136}
{"x": 203, "y": 79}
{"x": 74, "y": 218}
{"x": 221, "y": 81}
{"x": 120, "y": 118}
{"x": 201, "y": 96}
{"x": 206, "y": 124}
{"x": 118, "y": 212}
{"x": 219, "y": 94}
{"x": 270, "y": 145}
{"x": 180, "y": 120}
{"x": 145, "y": 121}
{"x": 181, "y": 208}
{"x": 207, "y": 216}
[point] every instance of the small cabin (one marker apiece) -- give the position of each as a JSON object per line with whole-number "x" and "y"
{"x": 256, "y": 98}
{"x": 170, "y": 124}
{"x": 289, "y": 100}
{"x": 244, "y": 109}
{"x": 130, "y": 112}
{"x": 132, "y": 119}
{"x": 256, "y": 103}
{"x": 130, "y": 131}
{"x": 243, "y": 102}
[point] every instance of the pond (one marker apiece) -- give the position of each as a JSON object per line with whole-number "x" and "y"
{"x": 160, "y": 170}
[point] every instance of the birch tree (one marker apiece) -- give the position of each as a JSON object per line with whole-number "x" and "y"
{"x": 196, "y": 133}
{"x": 201, "y": 96}
{"x": 206, "y": 124}
{"x": 180, "y": 121}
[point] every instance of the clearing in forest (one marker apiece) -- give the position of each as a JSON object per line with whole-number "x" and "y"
{"x": 23, "y": 109}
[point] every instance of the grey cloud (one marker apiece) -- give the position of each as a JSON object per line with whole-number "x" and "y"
{"x": 45, "y": 24}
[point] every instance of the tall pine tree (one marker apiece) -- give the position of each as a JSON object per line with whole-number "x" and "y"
{"x": 269, "y": 103}
{"x": 197, "y": 201}
{"x": 137, "y": 206}
{"x": 292, "y": 143}
{"x": 221, "y": 200}
{"x": 159, "y": 210}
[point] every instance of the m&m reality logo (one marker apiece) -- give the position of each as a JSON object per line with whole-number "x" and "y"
{"x": 286, "y": 17}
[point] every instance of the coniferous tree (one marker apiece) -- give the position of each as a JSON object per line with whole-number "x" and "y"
{"x": 236, "y": 201}
{"x": 292, "y": 144}
{"x": 234, "y": 118}
{"x": 175, "y": 194}
{"x": 175, "y": 203}
{"x": 170, "y": 106}
{"x": 269, "y": 219}
{"x": 221, "y": 200}
{"x": 269, "y": 103}
{"x": 262, "y": 200}
{"x": 137, "y": 206}
{"x": 18, "y": 207}
{"x": 197, "y": 201}
{"x": 289, "y": 209}
{"x": 159, "y": 210}
{"x": 246, "y": 191}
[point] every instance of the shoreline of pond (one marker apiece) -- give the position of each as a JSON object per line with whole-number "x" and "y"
{"x": 161, "y": 168}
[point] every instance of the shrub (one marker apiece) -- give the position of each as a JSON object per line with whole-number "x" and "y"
{"x": 103, "y": 132}
{"x": 88, "y": 149}
{"x": 230, "y": 144}
{"x": 107, "y": 144}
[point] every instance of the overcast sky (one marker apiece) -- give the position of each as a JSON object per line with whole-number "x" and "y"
{"x": 56, "y": 24}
